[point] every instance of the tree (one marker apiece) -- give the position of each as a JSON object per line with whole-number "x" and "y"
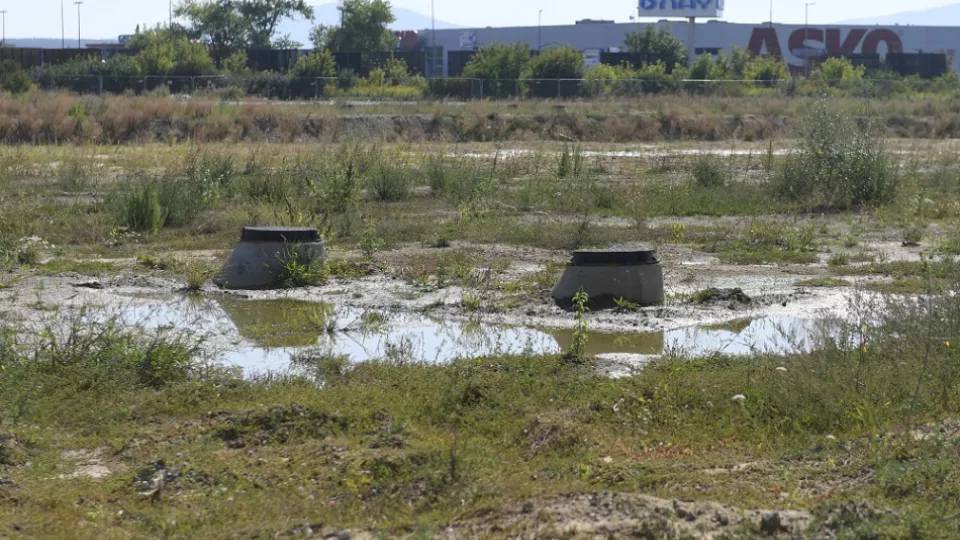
{"x": 363, "y": 28}
{"x": 498, "y": 65}
{"x": 315, "y": 65}
{"x": 557, "y": 63}
{"x": 662, "y": 45}
{"x": 286, "y": 42}
{"x": 163, "y": 52}
{"x": 765, "y": 69}
{"x": 229, "y": 25}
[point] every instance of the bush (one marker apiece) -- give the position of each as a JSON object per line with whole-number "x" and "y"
{"x": 709, "y": 173}
{"x": 318, "y": 64}
{"x": 138, "y": 208}
{"x": 659, "y": 44}
{"x": 390, "y": 183}
{"x": 498, "y": 65}
{"x": 842, "y": 162}
{"x": 16, "y": 83}
{"x": 557, "y": 63}
{"x": 767, "y": 70}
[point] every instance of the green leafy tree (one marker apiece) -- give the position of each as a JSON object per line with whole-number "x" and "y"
{"x": 229, "y": 25}
{"x": 838, "y": 70}
{"x": 363, "y": 28}
{"x": 557, "y": 63}
{"x": 315, "y": 65}
{"x": 162, "y": 52}
{"x": 658, "y": 43}
{"x": 766, "y": 69}
{"x": 287, "y": 42}
{"x": 499, "y": 65}
{"x": 236, "y": 63}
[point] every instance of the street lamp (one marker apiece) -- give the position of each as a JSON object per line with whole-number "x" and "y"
{"x": 4, "y": 14}
{"x": 63, "y": 29}
{"x": 539, "y": 29}
{"x": 806, "y": 36}
{"x": 78, "y": 3}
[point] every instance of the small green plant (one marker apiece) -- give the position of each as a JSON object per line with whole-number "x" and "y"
{"x": 678, "y": 231}
{"x": 196, "y": 273}
{"x": 298, "y": 268}
{"x": 623, "y": 305}
{"x": 390, "y": 183}
{"x": 912, "y": 236}
{"x": 138, "y": 208}
{"x": 471, "y": 302}
{"x": 709, "y": 173}
{"x": 839, "y": 259}
{"x": 370, "y": 241}
{"x": 578, "y": 345}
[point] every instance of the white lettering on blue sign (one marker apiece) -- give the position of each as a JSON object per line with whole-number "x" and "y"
{"x": 681, "y": 5}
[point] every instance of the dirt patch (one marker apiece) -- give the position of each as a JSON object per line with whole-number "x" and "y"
{"x": 616, "y": 515}
{"x": 88, "y": 464}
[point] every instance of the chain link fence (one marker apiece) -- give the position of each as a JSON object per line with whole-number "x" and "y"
{"x": 281, "y": 87}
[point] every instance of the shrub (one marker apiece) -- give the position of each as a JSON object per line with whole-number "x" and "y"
{"x": 557, "y": 63}
{"x": 498, "y": 65}
{"x": 13, "y": 79}
{"x": 660, "y": 44}
{"x": 137, "y": 207}
{"x": 237, "y": 63}
{"x": 390, "y": 183}
{"x": 767, "y": 70}
{"x": 708, "y": 172}
{"x": 842, "y": 162}
{"x": 318, "y": 64}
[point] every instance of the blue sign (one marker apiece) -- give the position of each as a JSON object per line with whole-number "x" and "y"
{"x": 681, "y": 8}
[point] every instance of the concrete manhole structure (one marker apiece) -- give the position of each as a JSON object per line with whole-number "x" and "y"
{"x": 608, "y": 275}
{"x": 257, "y": 261}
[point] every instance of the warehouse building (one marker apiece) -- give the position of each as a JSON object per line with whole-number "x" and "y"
{"x": 784, "y": 40}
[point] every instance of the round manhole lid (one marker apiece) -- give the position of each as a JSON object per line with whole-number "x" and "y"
{"x": 614, "y": 256}
{"x": 288, "y": 235}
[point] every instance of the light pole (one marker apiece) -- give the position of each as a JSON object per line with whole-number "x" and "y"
{"x": 4, "y": 42}
{"x": 539, "y": 29}
{"x": 78, "y": 3}
{"x": 806, "y": 35}
{"x": 63, "y": 29}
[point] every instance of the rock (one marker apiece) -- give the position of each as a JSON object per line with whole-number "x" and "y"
{"x": 719, "y": 296}
{"x": 770, "y": 524}
{"x": 527, "y": 508}
{"x": 721, "y": 519}
{"x": 89, "y": 285}
{"x": 739, "y": 398}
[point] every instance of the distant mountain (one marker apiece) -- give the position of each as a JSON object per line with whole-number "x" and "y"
{"x": 939, "y": 16}
{"x": 53, "y": 43}
{"x": 327, "y": 14}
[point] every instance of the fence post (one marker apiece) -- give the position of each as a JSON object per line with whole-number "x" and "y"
{"x": 316, "y": 89}
{"x": 100, "y": 84}
{"x": 193, "y": 85}
{"x": 481, "y": 89}
{"x": 558, "y": 89}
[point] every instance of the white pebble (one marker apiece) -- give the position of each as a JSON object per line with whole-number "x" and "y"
{"x": 739, "y": 397}
{"x": 781, "y": 368}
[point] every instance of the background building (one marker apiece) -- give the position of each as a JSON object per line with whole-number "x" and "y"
{"x": 786, "y": 40}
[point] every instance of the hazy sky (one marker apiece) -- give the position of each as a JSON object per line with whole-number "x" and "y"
{"x": 108, "y": 18}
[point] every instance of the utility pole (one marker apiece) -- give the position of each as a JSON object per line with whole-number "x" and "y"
{"x": 539, "y": 30}
{"x": 433, "y": 42}
{"x": 63, "y": 29}
{"x": 4, "y": 14}
{"x": 806, "y": 35}
{"x": 170, "y": 8}
{"x": 78, "y": 3}
{"x": 771, "y": 14}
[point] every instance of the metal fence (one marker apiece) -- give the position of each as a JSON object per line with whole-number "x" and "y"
{"x": 281, "y": 87}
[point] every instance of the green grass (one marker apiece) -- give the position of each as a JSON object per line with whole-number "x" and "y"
{"x": 910, "y": 285}
{"x": 766, "y": 256}
{"x": 822, "y": 282}
{"x": 414, "y": 448}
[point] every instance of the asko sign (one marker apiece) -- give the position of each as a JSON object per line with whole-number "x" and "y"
{"x": 681, "y": 8}
{"x": 815, "y": 42}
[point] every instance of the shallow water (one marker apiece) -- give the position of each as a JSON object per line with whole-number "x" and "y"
{"x": 261, "y": 336}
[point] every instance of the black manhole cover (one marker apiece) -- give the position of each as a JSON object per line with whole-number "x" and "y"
{"x": 287, "y": 235}
{"x": 614, "y": 256}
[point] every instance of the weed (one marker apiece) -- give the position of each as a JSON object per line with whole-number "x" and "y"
{"x": 625, "y": 306}
{"x": 709, "y": 173}
{"x": 196, "y": 273}
{"x": 678, "y": 231}
{"x": 471, "y": 302}
{"x": 370, "y": 242}
{"x": 578, "y": 344}
{"x": 823, "y": 282}
{"x": 911, "y": 236}
{"x": 390, "y": 183}
{"x": 839, "y": 259}
{"x": 299, "y": 268}
{"x": 138, "y": 208}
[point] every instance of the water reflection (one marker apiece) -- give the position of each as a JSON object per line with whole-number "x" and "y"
{"x": 263, "y": 335}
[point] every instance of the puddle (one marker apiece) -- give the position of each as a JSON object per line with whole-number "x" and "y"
{"x": 262, "y": 336}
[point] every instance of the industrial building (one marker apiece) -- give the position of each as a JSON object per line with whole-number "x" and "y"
{"x": 784, "y": 40}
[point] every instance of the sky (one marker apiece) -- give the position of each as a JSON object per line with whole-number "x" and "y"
{"x": 110, "y": 18}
